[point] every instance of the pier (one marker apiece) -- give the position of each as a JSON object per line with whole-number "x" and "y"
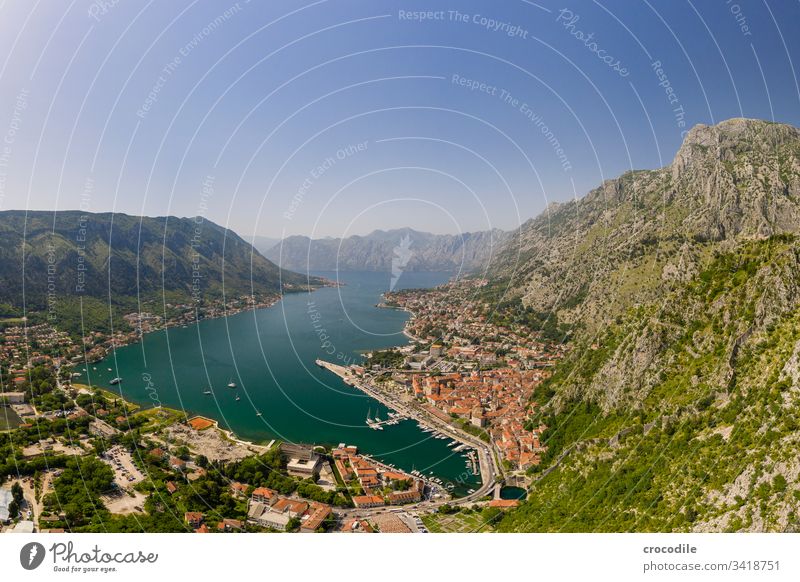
{"x": 480, "y": 459}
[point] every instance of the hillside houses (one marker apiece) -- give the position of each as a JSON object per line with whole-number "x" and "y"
{"x": 497, "y": 400}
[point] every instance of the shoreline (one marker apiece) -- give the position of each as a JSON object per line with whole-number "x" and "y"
{"x": 259, "y": 447}
{"x": 186, "y": 417}
{"x": 406, "y": 333}
{"x": 486, "y": 468}
{"x": 178, "y": 323}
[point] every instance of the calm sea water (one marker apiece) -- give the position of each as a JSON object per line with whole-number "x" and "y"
{"x": 270, "y": 354}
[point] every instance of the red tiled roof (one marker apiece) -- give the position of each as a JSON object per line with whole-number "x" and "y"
{"x": 193, "y": 517}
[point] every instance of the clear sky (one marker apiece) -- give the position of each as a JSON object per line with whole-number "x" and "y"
{"x": 337, "y": 117}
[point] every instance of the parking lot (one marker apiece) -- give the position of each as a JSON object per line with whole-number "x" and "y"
{"x": 126, "y": 474}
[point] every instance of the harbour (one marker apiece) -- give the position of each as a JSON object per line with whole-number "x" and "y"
{"x": 459, "y": 442}
{"x": 279, "y": 392}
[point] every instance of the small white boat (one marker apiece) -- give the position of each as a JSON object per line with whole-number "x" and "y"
{"x": 231, "y": 384}
{"x": 258, "y": 414}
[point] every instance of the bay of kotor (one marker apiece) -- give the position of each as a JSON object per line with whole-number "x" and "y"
{"x": 279, "y": 393}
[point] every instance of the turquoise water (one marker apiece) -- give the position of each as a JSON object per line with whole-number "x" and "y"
{"x": 513, "y": 493}
{"x": 270, "y": 354}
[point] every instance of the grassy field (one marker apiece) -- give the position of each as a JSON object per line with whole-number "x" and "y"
{"x": 8, "y": 418}
{"x": 109, "y": 395}
{"x": 160, "y": 417}
{"x": 471, "y": 522}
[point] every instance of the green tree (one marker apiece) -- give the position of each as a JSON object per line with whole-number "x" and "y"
{"x": 17, "y": 493}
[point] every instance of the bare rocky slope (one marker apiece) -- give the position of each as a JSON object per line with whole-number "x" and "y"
{"x": 410, "y": 249}
{"x": 678, "y": 406}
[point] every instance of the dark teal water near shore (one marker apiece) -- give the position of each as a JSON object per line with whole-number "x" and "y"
{"x": 270, "y": 354}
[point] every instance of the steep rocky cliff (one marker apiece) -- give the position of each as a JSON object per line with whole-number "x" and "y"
{"x": 591, "y": 259}
{"x": 679, "y": 404}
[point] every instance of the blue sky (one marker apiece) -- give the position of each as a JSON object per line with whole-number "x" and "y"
{"x": 333, "y": 118}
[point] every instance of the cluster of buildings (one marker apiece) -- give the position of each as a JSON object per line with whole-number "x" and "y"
{"x": 266, "y": 508}
{"x": 99, "y": 345}
{"x": 380, "y": 485}
{"x": 474, "y": 368}
{"x": 197, "y": 521}
{"x": 143, "y": 322}
{"x": 496, "y": 400}
{"x": 22, "y": 348}
{"x": 460, "y": 334}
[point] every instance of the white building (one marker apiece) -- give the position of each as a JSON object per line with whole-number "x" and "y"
{"x": 5, "y": 499}
{"x": 304, "y": 468}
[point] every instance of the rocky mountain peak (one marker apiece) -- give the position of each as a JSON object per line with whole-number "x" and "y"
{"x": 740, "y": 177}
{"x": 729, "y": 139}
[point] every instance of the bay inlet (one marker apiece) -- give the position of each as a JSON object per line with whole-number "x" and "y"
{"x": 270, "y": 354}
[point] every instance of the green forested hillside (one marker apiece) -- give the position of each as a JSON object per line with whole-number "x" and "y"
{"x": 678, "y": 406}
{"x": 69, "y": 264}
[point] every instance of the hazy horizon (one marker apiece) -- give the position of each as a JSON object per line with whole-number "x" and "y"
{"x": 328, "y": 120}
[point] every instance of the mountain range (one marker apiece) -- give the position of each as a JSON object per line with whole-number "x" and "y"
{"x": 677, "y": 407}
{"x": 676, "y": 290}
{"x": 381, "y": 250}
{"x": 67, "y": 262}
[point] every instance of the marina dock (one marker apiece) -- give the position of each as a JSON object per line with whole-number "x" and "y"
{"x": 477, "y": 455}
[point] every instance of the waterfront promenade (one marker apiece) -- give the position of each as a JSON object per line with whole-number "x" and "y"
{"x": 486, "y": 459}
